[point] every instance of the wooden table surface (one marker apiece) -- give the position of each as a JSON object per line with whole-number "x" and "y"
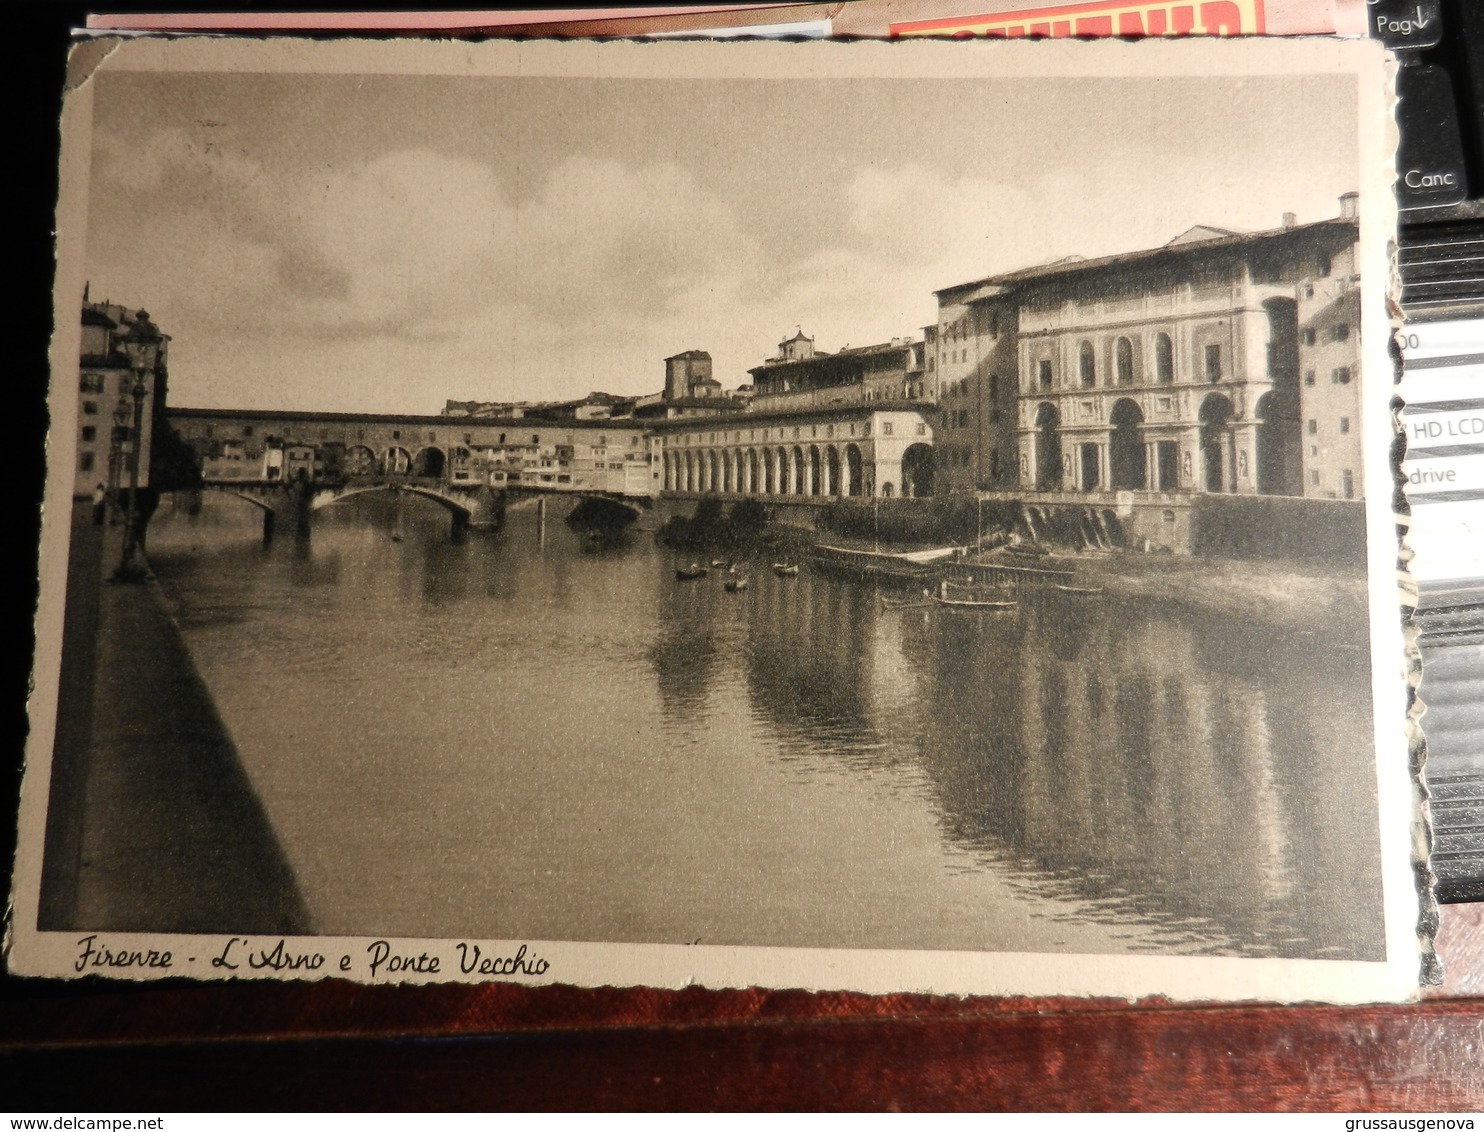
{"x": 330, "y": 1045}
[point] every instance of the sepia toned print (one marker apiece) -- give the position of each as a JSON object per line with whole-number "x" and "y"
{"x": 878, "y": 516}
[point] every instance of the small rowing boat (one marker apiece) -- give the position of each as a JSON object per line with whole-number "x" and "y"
{"x": 786, "y": 569}
{"x": 689, "y": 573}
{"x": 967, "y": 604}
{"x": 971, "y": 605}
{"x": 735, "y": 585}
{"x": 910, "y": 603}
{"x": 1080, "y": 589}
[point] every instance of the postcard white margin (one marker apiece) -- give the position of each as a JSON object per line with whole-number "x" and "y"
{"x": 537, "y": 962}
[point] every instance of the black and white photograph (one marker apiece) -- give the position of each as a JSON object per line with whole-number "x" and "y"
{"x": 905, "y": 516}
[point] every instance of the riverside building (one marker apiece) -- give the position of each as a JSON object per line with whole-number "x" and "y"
{"x": 974, "y": 360}
{"x": 855, "y": 423}
{"x": 107, "y": 381}
{"x": 1219, "y": 363}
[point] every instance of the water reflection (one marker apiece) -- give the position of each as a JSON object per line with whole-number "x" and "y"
{"x": 791, "y": 765}
{"x": 1179, "y": 769}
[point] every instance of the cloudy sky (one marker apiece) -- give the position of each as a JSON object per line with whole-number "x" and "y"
{"x": 383, "y": 243}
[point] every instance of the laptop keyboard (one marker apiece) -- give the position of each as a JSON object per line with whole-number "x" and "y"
{"x": 1440, "y": 118}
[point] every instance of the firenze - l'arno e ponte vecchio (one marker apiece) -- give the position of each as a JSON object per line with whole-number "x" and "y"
{"x": 642, "y": 599}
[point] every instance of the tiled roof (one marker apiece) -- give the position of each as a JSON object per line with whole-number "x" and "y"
{"x": 1182, "y": 246}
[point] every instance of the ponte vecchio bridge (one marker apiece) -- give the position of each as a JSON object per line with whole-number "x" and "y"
{"x": 297, "y": 462}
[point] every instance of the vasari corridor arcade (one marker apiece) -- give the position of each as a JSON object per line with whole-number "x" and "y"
{"x": 1219, "y": 364}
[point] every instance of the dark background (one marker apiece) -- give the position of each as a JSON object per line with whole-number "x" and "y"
{"x": 93, "y": 1045}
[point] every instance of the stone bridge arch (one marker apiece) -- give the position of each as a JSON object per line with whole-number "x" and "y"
{"x": 469, "y": 507}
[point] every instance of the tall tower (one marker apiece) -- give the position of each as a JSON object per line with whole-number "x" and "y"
{"x": 684, "y": 371}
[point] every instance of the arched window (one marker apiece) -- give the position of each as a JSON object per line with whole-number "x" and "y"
{"x": 1087, "y": 366}
{"x": 1123, "y": 362}
{"x": 1164, "y": 359}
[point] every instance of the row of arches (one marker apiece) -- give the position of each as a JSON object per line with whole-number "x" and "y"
{"x": 1123, "y": 369}
{"x": 426, "y": 463}
{"x": 1135, "y": 461}
{"x": 812, "y": 470}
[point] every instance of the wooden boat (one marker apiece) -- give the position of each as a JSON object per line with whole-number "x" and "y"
{"x": 1006, "y": 576}
{"x": 689, "y": 573}
{"x": 910, "y": 566}
{"x": 735, "y": 585}
{"x": 923, "y": 602}
{"x": 969, "y": 604}
{"x": 718, "y": 563}
{"x": 1080, "y": 589}
{"x": 786, "y": 570}
{"x": 972, "y": 605}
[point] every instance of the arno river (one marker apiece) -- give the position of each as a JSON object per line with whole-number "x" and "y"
{"x": 521, "y": 737}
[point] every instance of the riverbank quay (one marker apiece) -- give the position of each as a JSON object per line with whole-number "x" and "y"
{"x": 152, "y": 822}
{"x": 1277, "y": 592}
{"x": 1280, "y": 590}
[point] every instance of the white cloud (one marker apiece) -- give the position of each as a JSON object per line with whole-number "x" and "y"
{"x": 413, "y": 274}
{"x": 417, "y": 273}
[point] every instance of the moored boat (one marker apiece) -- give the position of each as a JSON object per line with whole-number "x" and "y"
{"x": 923, "y": 602}
{"x": 786, "y": 569}
{"x": 1006, "y": 575}
{"x": 906, "y": 566}
{"x": 690, "y": 572}
{"x": 971, "y": 605}
{"x": 736, "y": 584}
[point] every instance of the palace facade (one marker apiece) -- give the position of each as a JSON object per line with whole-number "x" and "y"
{"x": 1221, "y": 362}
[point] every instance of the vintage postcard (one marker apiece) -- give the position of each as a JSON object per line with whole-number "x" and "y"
{"x": 881, "y": 516}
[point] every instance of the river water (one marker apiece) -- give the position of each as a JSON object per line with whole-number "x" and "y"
{"x": 518, "y": 736}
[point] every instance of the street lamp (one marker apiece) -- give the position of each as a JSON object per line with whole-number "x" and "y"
{"x": 142, "y": 345}
{"x": 116, "y": 456}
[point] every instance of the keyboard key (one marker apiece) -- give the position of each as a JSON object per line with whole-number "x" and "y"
{"x": 1442, "y": 270}
{"x": 1430, "y": 166}
{"x": 1409, "y": 26}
